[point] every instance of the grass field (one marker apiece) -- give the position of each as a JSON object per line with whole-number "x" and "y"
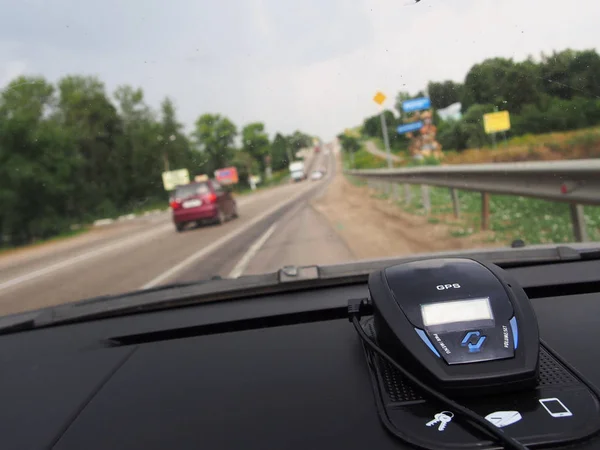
{"x": 534, "y": 221}
{"x": 577, "y": 144}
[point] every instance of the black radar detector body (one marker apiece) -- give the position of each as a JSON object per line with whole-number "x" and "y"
{"x": 462, "y": 325}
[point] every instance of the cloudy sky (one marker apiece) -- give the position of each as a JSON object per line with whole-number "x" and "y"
{"x": 312, "y": 65}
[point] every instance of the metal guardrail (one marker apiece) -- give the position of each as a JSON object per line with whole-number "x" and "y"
{"x": 576, "y": 182}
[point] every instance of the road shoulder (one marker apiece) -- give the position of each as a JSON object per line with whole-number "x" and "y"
{"x": 377, "y": 228}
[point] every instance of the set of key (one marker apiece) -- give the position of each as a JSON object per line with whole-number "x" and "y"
{"x": 443, "y": 418}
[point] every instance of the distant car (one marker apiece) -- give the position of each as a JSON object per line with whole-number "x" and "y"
{"x": 316, "y": 175}
{"x": 202, "y": 202}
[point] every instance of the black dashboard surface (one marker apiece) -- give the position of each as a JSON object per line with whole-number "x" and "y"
{"x": 280, "y": 371}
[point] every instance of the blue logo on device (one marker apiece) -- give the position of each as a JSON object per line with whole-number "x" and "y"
{"x": 473, "y": 340}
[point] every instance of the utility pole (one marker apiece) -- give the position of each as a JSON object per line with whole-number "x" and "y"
{"x": 379, "y": 99}
{"x": 385, "y": 139}
{"x": 494, "y": 134}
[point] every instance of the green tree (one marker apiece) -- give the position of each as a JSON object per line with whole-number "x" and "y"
{"x": 255, "y": 142}
{"x": 140, "y": 163}
{"x": 451, "y": 135}
{"x": 281, "y": 152}
{"x": 401, "y": 97}
{"x": 350, "y": 145}
{"x": 299, "y": 140}
{"x": 37, "y": 164}
{"x": 486, "y": 83}
{"x": 444, "y": 94}
{"x": 570, "y": 73}
{"x": 214, "y": 136}
{"x": 93, "y": 122}
{"x": 471, "y": 126}
{"x": 246, "y": 166}
{"x": 69, "y": 154}
{"x": 176, "y": 148}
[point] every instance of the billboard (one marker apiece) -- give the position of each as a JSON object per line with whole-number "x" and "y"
{"x": 174, "y": 178}
{"x": 496, "y": 122}
{"x": 228, "y": 175}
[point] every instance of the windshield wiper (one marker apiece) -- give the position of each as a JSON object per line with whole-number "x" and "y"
{"x": 286, "y": 279}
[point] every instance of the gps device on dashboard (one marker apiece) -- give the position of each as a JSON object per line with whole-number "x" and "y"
{"x": 461, "y": 324}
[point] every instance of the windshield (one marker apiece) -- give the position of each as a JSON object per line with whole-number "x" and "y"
{"x": 334, "y": 132}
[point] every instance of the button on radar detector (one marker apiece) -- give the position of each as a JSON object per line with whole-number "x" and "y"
{"x": 463, "y": 324}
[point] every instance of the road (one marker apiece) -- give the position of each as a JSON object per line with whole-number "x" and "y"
{"x": 276, "y": 227}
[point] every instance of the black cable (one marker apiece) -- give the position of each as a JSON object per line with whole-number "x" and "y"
{"x": 457, "y": 408}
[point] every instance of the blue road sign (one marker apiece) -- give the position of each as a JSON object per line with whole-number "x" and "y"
{"x": 409, "y": 127}
{"x": 416, "y": 104}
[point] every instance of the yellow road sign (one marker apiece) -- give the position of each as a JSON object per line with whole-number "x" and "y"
{"x": 379, "y": 98}
{"x": 175, "y": 178}
{"x": 496, "y": 121}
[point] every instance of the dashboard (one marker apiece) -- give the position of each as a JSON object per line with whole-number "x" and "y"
{"x": 285, "y": 370}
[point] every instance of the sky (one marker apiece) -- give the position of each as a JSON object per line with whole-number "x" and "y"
{"x": 311, "y": 65}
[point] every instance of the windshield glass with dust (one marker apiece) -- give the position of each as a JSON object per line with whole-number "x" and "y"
{"x": 329, "y": 132}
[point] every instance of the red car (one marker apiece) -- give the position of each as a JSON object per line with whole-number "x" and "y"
{"x": 202, "y": 202}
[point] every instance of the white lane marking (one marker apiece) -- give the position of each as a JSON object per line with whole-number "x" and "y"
{"x": 242, "y": 264}
{"x": 122, "y": 243}
{"x": 218, "y": 243}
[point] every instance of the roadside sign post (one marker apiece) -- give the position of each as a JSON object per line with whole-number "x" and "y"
{"x": 455, "y": 202}
{"x": 386, "y": 140}
{"x": 379, "y": 99}
{"x": 578, "y": 221}
{"x": 496, "y": 122}
{"x": 174, "y": 178}
{"x": 426, "y": 199}
{"x": 407, "y": 194}
{"x": 485, "y": 210}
